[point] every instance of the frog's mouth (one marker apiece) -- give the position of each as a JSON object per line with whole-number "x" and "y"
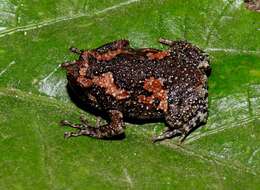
{"x": 72, "y": 66}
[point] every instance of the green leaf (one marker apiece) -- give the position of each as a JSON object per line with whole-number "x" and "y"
{"x": 34, "y": 41}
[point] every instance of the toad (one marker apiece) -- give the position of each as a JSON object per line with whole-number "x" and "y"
{"x": 126, "y": 83}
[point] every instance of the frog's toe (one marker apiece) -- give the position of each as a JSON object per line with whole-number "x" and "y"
{"x": 72, "y": 134}
{"x": 168, "y": 134}
{"x": 70, "y": 124}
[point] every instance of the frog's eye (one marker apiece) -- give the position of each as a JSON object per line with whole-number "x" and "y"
{"x": 67, "y": 64}
{"x": 204, "y": 66}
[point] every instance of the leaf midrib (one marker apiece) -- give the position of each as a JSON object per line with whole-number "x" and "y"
{"x": 56, "y": 20}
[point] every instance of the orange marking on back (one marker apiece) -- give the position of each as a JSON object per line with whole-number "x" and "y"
{"x": 106, "y": 81}
{"x": 84, "y": 82}
{"x": 156, "y": 87}
{"x": 158, "y": 55}
{"x": 109, "y": 55}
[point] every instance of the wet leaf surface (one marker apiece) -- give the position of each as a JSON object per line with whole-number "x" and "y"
{"x": 34, "y": 41}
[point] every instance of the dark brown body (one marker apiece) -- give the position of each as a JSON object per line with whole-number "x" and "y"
{"x": 143, "y": 84}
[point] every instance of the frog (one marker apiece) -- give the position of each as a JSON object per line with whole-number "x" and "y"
{"x": 124, "y": 83}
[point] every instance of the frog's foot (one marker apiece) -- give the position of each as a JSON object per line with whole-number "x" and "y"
{"x": 87, "y": 131}
{"x": 168, "y": 134}
{"x": 82, "y": 126}
{"x": 68, "y": 123}
{"x": 72, "y": 134}
{"x": 110, "y": 130}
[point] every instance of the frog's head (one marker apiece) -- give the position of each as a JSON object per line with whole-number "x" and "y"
{"x": 189, "y": 54}
{"x": 79, "y": 67}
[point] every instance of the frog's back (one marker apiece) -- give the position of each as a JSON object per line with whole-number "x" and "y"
{"x": 147, "y": 84}
{"x": 138, "y": 82}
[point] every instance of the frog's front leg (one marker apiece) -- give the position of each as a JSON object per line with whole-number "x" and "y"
{"x": 114, "y": 128}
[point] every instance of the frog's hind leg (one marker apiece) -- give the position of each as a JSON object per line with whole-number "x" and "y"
{"x": 199, "y": 119}
{"x": 167, "y": 134}
{"x": 84, "y": 123}
{"x": 113, "y": 129}
{"x": 184, "y": 117}
{"x": 68, "y": 123}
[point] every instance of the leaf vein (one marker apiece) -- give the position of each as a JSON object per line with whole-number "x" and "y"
{"x": 63, "y": 18}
